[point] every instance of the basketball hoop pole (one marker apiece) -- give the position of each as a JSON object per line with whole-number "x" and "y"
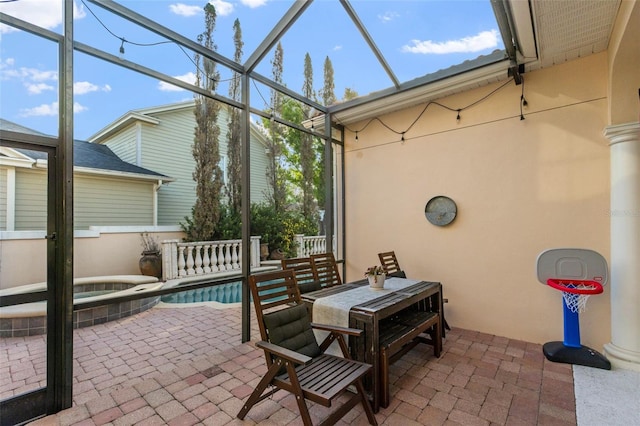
{"x": 571, "y": 327}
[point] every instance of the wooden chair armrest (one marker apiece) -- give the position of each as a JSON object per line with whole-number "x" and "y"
{"x": 337, "y": 329}
{"x": 284, "y": 353}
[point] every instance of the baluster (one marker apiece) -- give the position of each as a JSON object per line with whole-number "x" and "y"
{"x": 222, "y": 258}
{"x": 198, "y": 265}
{"x": 214, "y": 258}
{"x": 239, "y": 255}
{"x": 206, "y": 261}
{"x": 234, "y": 256}
{"x": 181, "y": 262}
{"x": 190, "y": 261}
{"x": 227, "y": 257}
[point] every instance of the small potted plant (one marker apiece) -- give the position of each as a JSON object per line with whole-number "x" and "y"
{"x": 151, "y": 261}
{"x": 376, "y": 277}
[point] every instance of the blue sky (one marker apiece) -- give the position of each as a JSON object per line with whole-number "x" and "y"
{"x": 415, "y": 37}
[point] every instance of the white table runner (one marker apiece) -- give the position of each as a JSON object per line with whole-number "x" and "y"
{"x": 334, "y": 310}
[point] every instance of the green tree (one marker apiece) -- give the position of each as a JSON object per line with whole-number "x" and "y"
{"x": 234, "y": 141}
{"x": 307, "y": 155}
{"x": 328, "y": 89}
{"x": 349, "y": 94}
{"x": 275, "y": 174}
{"x": 205, "y": 150}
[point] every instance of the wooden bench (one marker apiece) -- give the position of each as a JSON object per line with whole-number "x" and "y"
{"x": 399, "y": 334}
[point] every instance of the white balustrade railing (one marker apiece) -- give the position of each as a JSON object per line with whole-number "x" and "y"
{"x": 311, "y": 244}
{"x": 180, "y": 259}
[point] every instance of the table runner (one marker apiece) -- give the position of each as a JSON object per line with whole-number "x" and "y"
{"x": 335, "y": 309}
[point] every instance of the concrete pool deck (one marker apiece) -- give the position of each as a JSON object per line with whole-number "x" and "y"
{"x": 188, "y": 366}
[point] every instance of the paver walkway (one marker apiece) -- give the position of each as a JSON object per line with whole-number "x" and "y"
{"x": 187, "y": 366}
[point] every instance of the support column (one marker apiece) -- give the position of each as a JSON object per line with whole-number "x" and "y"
{"x": 624, "y": 349}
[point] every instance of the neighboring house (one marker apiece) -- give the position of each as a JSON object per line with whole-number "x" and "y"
{"x": 104, "y": 187}
{"x": 161, "y": 138}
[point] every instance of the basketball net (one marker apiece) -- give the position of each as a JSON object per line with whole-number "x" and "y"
{"x": 576, "y": 302}
{"x": 576, "y": 292}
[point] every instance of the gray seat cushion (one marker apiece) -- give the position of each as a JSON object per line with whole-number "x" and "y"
{"x": 308, "y": 286}
{"x": 291, "y": 329}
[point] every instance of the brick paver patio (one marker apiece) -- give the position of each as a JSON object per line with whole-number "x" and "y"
{"x": 187, "y": 366}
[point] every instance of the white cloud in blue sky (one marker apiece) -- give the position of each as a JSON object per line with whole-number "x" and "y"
{"x": 388, "y": 16}
{"x": 84, "y": 87}
{"x": 189, "y": 77}
{"x": 481, "y": 41}
{"x": 253, "y": 3}
{"x": 44, "y": 13}
{"x": 182, "y": 9}
{"x": 49, "y": 110}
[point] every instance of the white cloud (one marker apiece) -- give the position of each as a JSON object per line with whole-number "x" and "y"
{"x": 223, "y": 8}
{"x": 189, "y": 77}
{"x": 387, "y": 17}
{"x": 43, "y": 13}
{"x": 84, "y": 87}
{"x": 27, "y": 75}
{"x": 337, "y": 47}
{"x": 49, "y": 110}
{"x": 182, "y": 9}
{"x": 36, "y": 89}
{"x": 253, "y": 3}
{"x": 481, "y": 41}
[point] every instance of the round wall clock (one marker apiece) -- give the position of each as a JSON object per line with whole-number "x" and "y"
{"x": 440, "y": 210}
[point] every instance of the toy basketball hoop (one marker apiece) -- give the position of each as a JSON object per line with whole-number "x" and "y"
{"x": 578, "y": 274}
{"x": 576, "y": 292}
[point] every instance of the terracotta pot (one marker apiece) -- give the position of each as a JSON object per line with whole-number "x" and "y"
{"x": 151, "y": 264}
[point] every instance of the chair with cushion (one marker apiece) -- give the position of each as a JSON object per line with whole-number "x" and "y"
{"x": 295, "y": 361}
{"x": 326, "y": 269}
{"x": 390, "y": 265}
{"x": 303, "y": 270}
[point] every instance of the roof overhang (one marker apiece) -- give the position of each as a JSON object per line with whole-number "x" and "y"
{"x": 121, "y": 123}
{"x": 416, "y": 92}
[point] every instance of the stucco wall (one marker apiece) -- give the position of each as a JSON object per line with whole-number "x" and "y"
{"x": 23, "y": 261}
{"x": 521, "y": 186}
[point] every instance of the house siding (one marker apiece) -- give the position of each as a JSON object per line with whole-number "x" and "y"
{"x": 259, "y": 162}
{"x": 3, "y": 198}
{"x": 31, "y": 200}
{"x": 112, "y": 202}
{"x": 124, "y": 145}
{"x": 167, "y": 149}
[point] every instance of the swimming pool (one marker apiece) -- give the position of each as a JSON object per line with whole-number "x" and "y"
{"x": 223, "y": 293}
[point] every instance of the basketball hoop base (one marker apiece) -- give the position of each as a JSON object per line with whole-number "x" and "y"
{"x": 558, "y": 352}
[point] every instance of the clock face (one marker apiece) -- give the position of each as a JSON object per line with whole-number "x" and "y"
{"x": 440, "y": 210}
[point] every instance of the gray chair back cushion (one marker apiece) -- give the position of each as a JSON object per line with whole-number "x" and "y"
{"x": 291, "y": 329}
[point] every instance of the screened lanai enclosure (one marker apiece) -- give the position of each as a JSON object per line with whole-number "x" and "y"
{"x": 176, "y": 121}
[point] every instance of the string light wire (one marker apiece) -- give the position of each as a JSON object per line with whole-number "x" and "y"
{"x": 456, "y": 110}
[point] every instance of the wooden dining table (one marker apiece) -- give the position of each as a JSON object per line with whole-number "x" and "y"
{"x": 356, "y": 305}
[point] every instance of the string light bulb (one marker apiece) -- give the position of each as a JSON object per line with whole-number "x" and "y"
{"x": 356, "y": 136}
{"x": 402, "y": 138}
{"x": 122, "y": 48}
{"x": 458, "y": 116}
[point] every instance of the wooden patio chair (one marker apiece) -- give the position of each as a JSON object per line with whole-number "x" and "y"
{"x": 295, "y": 361}
{"x": 390, "y": 265}
{"x": 326, "y": 269}
{"x": 305, "y": 275}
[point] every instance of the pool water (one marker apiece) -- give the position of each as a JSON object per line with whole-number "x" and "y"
{"x": 224, "y": 293}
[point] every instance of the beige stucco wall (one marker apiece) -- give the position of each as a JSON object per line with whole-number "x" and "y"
{"x": 520, "y": 186}
{"x": 23, "y": 261}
